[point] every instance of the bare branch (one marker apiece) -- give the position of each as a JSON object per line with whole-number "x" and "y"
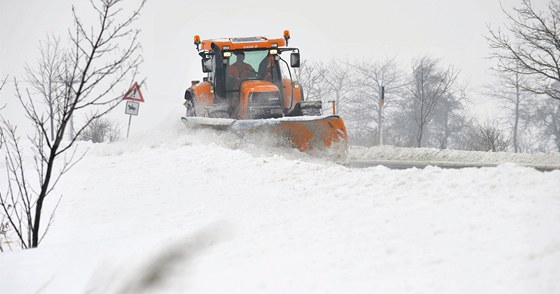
{"x": 530, "y": 46}
{"x": 3, "y": 83}
{"x": 84, "y": 77}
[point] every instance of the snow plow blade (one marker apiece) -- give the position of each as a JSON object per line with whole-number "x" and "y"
{"x": 214, "y": 123}
{"x": 307, "y": 133}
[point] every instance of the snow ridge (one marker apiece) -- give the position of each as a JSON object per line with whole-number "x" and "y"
{"x": 174, "y": 212}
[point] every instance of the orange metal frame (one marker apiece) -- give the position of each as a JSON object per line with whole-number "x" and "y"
{"x": 236, "y": 45}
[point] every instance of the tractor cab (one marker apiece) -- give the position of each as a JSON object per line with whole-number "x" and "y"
{"x": 247, "y": 78}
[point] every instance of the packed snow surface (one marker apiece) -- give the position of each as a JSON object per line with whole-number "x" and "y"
{"x": 202, "y": 212}
{"x": 430, "y": 155}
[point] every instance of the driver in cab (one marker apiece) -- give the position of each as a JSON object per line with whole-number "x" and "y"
{"x": 241, "y": 70}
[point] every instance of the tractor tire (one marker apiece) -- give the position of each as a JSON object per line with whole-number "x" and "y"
{"x": 189, "y": 104}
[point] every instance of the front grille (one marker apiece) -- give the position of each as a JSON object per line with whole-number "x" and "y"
{"x": 265, "y": 99}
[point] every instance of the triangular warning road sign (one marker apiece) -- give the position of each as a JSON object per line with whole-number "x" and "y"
{"x": 134, "y": 94}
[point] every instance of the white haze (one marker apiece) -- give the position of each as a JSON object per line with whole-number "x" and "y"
{"x": 354, "y": 30}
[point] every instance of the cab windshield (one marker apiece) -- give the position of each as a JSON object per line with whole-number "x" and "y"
{"x": 252, "y": 58}
{"x": 251, "y": 64}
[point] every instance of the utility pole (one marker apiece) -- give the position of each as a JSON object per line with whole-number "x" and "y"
{"x": 380, "y": 113}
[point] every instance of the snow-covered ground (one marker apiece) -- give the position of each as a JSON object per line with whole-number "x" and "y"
{"x": 185, "y": 212}
{"x": 435, "y": 156}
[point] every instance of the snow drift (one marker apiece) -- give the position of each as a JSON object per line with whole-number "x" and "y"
{"x": 203, "y": 212}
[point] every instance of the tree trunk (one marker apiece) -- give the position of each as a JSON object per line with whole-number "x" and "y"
{"x": 419, "y": 135}
{"x": 446, "y": 131}
{"x": 557, "y": 127}
{"x": 516, "y": 122}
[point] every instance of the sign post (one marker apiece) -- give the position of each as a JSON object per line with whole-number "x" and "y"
{"x": 134, "y": 97}
{"x": 333, "y": 102}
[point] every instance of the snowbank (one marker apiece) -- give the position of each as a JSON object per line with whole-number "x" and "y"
{"x": 206, "y": 213}
{"x": 380, "y": 153}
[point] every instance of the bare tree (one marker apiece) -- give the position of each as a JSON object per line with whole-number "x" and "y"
{"x": 514, "y": 99}
{"x": 372, "y": 76}
{"x": 549, "y": 123}
{"x": 449, "y": 119}
{"x": 428, "y": 85}
{"x": 358, "y": 117}
{"x": 486, "y": 137}
{"x": 339, "y": 80}
{"x": 312, "y": 77}
{"x": 529, "y": 45}
{"x": 102, "y": 58}
{"x": 101, "y": 130}
{"x": 343, "y": 88}
{"x": 46, "y": 78}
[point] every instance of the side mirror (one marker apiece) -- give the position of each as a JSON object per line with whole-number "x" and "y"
{"x": 294, "y": 59}
{"x": 206, "y": 65}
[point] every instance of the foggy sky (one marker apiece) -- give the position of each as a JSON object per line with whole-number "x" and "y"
{"x": 451, "y": 30}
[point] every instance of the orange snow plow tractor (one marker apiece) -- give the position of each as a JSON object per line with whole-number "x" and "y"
{"x": 249, "y": 88}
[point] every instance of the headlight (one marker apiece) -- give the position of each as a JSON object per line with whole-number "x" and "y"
{"x": 265, "y": 98}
